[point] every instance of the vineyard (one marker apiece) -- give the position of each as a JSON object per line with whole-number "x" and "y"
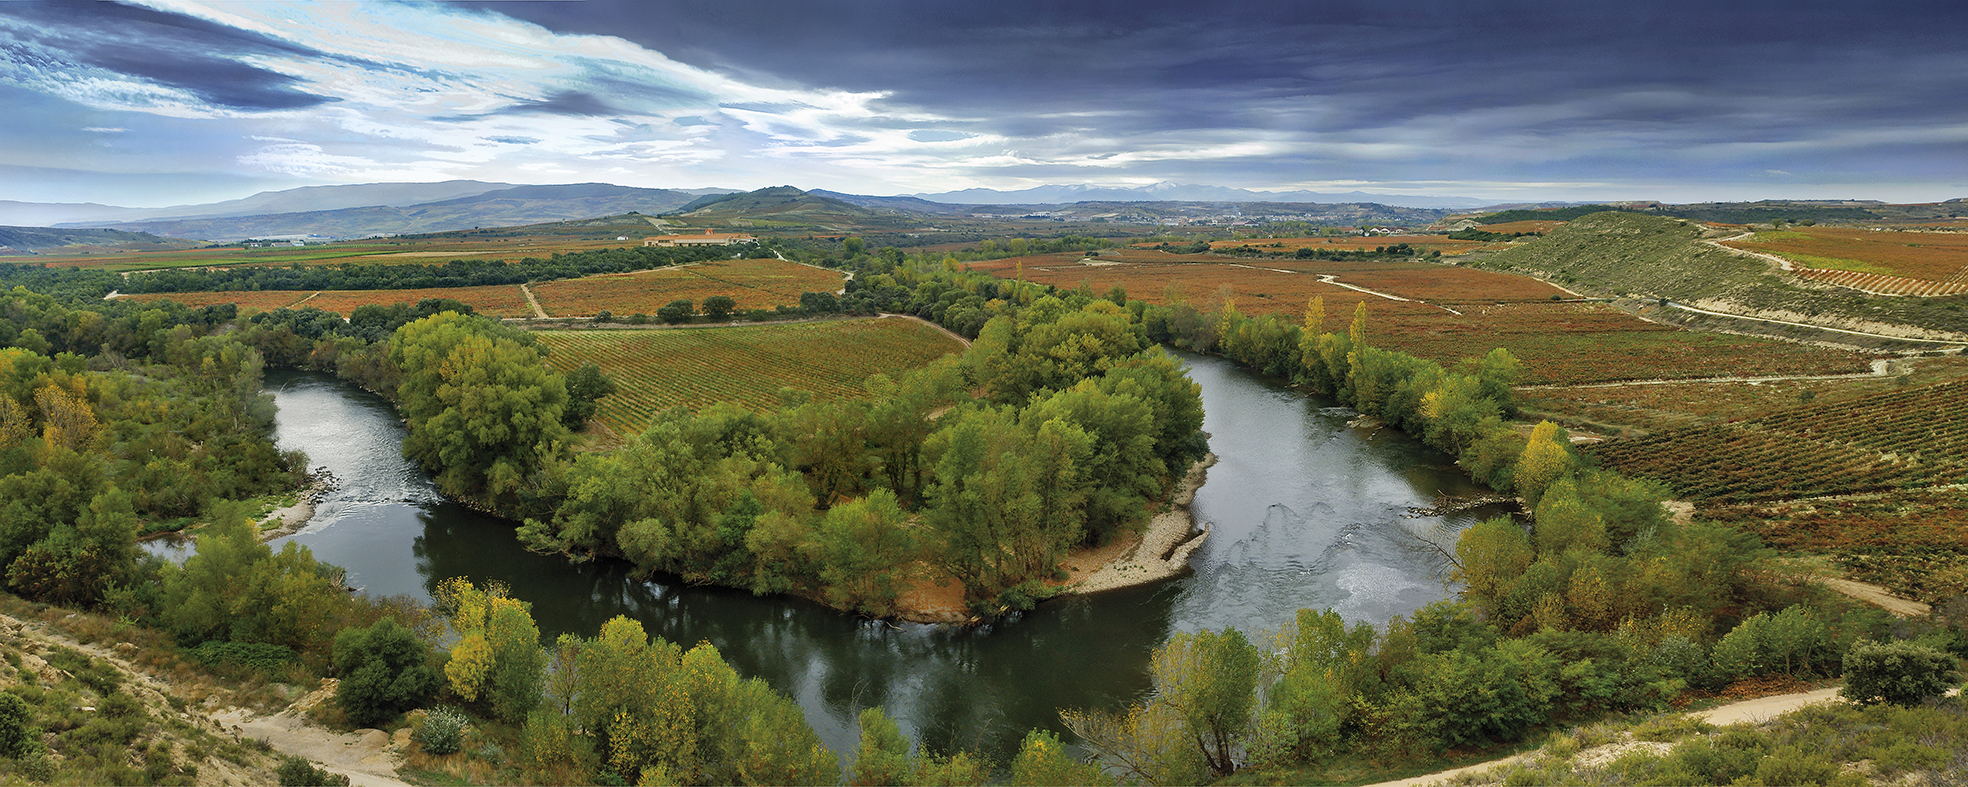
{"x": 1903, "y": 439}
{"x": 493, "y": 301}
{"x": 1529, "y": 225}
{"x": 1451, "y": 312}
{"x": 254, "y": 301}
{"x": 502, "y": 300}
{"x": 754, "y": 284}
{"x": 696, "y": 367}
{"x": 1355, "y": 243}
{"x": 1928, "y": 256}
{"x": 1915, "y": 543}
{"x": 1656, "y": 407}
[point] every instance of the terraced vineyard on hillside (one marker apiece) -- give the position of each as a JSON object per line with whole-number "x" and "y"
{"x": 657, "y": 369}
{"x": 1903, "y": 439}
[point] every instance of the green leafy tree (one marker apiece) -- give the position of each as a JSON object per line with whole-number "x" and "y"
{"x": 676, "y": 312}
{"x": 865, "y": 549}
{"x": 1565, "y": 522}
{"x": 718, "y": 307}
{"x": 498, "y": 654}
{"x": 384, "y": 672}
{"x": 1490, "y": 556}
{"x": 484, "y": 409}
{"x": 1210, "y": 679}
{"x": 586, "y": 387}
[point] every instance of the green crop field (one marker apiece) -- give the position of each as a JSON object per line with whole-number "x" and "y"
{"x": 657, "y": 369}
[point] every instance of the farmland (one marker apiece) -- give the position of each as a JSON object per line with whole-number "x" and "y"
{"x": 1914, "y": 542}
{"x": 494, "y": 300}
{"x": 1441, "y": 312}
{"x": 1652, "y": 408}
{"x": 1899, "y": 439}
{"x": 754, "y": 284}
{"x": 1930, "y": 256}
{"x": 695, "y": 367}
{"x": 1355, "y": 243}
{"x": 248, "y": 301}
{"x": 503, "y": 300}
{"x": 1539, "y": 226}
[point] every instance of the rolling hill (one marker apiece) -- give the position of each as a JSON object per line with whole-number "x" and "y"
{"x": 1655, "y": 257}
{"x": 786, "y": 207}
{"x": 31, "y": 241}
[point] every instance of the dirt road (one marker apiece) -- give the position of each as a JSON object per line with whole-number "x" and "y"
{"x": 1759, "y": 709}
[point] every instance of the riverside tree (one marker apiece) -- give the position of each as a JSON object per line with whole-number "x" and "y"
{"x": 483, "y": 407}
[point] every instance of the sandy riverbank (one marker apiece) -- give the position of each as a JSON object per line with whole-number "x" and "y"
{"x": 1160, "y": 553}
{"x": 289, "y": 520}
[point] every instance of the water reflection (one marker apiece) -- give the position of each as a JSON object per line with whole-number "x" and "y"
{"x": 1307, "y": 512}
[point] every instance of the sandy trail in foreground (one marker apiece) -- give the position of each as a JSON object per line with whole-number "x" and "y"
{"x": 1746, "y": 711}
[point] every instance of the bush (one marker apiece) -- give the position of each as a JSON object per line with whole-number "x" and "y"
{"x": 297, "y": 772}
{"x": 251, "y": 655}
{"x": 384, "y": 672}
{"x": 1900, "y": 673}
{"x": 17, "y": 738}
{"x": 442, "y": 732}
{"x": 1790, "y": 765}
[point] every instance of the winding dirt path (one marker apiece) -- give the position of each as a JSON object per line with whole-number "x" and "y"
{"x": 1751, "y": 711}
{"x": 1685, "y": 307}
{"x": 1880, "y": 368}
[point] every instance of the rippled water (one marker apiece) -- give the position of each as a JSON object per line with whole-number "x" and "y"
{"x": 1307, "y": 512}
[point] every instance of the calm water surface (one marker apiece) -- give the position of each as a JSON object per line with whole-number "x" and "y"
{"x": 1307, "y": 512}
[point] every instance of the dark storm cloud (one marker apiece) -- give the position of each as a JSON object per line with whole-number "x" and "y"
{"x": 1026, "y": 68}
{"x": 572, "y": 102}
{"x": 160, "y": 47}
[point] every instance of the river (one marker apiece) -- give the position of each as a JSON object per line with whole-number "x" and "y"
{"x": 1307, "y": 511}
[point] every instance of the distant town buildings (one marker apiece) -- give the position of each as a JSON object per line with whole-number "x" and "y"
{"x": 709, "y": 238}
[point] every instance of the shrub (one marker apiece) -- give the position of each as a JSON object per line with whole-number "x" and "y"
{"x": 17, "y": 737}
{"x": 251, "y": 655}
{"x": 443, "y": 731}
{"x": 1790, "y": 765}
{"x": 297, "y": 772}
{"x": 383, "y": 672}
{"x": 1900, "y": 673}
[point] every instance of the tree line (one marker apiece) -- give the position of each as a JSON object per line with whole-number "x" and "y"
{"x": 1595, "y": 601}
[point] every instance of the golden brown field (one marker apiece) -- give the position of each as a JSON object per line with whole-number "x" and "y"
{"x": 754, "y": 284}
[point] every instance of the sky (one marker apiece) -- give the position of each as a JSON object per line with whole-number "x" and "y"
{"x": 167, "y": 102}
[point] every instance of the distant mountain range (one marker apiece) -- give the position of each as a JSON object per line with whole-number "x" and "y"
{"x": 364, "y": 210}
{"x": 369, "y": 209}
{"x": 1168, "y": 191}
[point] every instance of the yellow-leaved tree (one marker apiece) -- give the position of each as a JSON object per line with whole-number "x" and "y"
{"x": 498, "y": 660}
{"x": 1546, "y": 459}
